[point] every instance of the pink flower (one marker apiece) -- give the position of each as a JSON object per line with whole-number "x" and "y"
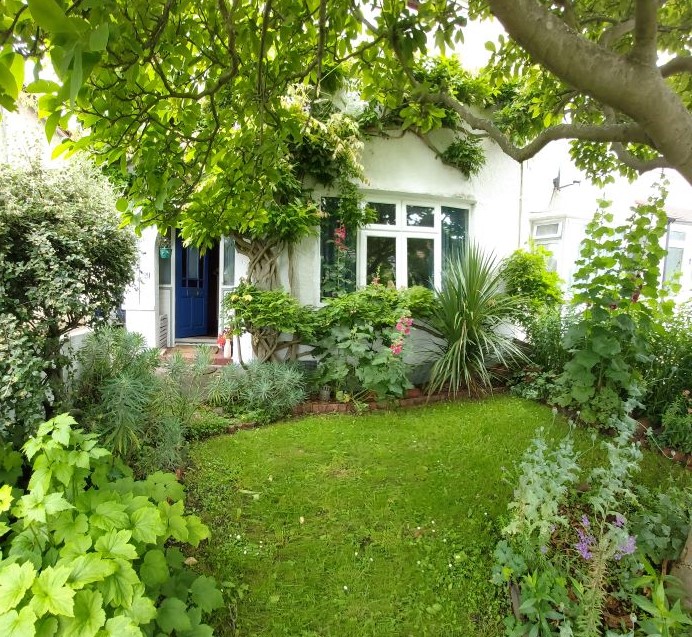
{"x": 396, "y": 348}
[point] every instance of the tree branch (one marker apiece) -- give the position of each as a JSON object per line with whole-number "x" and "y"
{"x": 681, "y": 64}
{"x": 625, "y": 133}
{"x": 636, "y": 163}
{"x": 645, "y": 31}
{"x": 614, "y": 33}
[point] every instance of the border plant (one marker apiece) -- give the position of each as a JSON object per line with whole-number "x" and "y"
{"x": 88, "y": 549}
{"x": 470, "y": 320}
{"x": 617, "y": 295}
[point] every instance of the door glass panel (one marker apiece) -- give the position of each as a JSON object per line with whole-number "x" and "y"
{"x": 381, "y": 260}
{"x": 386, "y": 213}
{"x": 454, "y": 225}
{"x": 192, "y": 263}
{"x": 420, "y": 216}
{"x": 164, "y": 271}
{"x": 419, "y": 254}
{"x": 228, "y": 262}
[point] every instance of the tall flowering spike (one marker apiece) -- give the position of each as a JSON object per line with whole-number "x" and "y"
{"x": 585, "y": 543}
{"x": 629, "y": 547}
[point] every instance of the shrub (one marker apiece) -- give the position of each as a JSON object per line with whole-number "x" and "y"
{"x": 65, "y": 260}
{"x": 262, "y": 392}
{"x": 23, "y": 390}
{"x": 618, "y": 299}
{"x": 668, "y": 370}
{"x": 139, "y": 412}
{"x": 526, "y": 276}
{"x": 470, "y": 319}
{"x": 677, "y": 424}
{"x": 87, "y": 547}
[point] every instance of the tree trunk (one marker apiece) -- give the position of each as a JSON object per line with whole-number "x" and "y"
{"x": 263, "y": 270}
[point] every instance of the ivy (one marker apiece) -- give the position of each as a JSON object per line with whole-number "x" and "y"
{"x": 86, "y": 549}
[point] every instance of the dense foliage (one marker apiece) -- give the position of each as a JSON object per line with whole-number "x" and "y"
{"x": 139, "y": 406}
{"x": 470, "y": 320}
{"x": 65, "y": 263}
{"x": 617, "y": 297}
{"x": 527, "y": 276}
{"x": 575, "y": 555}
{"x": 262, "y": 392}
{"x": 86, "y": 549}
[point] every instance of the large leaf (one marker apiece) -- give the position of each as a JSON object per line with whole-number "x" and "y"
{"x": 154, "y": 569}
{"x": 51, "y": 594}
{"x": 116, "y": 544}
{"x": 90, "y": 568}
{"x": 15, "y": 580}
{"x": 205, "y": 594}
{"x": 48, "y": 15}
{"x": 147, "y": 525}
{"x": 18, "y": 624}
{"x": 172, "y": 615}
{"x": 89, "y": 615}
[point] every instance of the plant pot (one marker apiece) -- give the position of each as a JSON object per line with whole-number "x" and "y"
{"x": 164, "y": 252}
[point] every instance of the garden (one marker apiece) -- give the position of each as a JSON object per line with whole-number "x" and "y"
{"x": 542, "y": 491}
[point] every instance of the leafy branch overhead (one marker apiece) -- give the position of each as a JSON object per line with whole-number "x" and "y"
{"x": 220, "y": 112}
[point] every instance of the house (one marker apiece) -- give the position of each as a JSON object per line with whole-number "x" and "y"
{"x": 425, "y": 210}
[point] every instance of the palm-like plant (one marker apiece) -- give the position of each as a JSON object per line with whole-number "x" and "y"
{"x": 470, "y": 320}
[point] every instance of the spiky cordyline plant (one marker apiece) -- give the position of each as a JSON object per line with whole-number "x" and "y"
{"x": 470, "y": 321}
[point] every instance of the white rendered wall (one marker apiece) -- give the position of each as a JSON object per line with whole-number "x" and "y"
{"x": 23, "y": 139}
{"x": 141, "y": 303}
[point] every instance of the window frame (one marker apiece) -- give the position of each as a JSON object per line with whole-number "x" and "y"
{"x": 401, "y": 232}
{"x": 547, "y": 222}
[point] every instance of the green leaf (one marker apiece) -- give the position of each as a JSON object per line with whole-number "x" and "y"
{"x": 76, "y": 77}
{"x": 90, "y": 568}
{"x": 147, "y": 525}
{"x": 115, "y": 544}
{"x": 205, "y": 594}
{"x": 142, "y": 610}
{"x": 197, "y": 530}
{"x": 122, "y": 626}
{"x": 118, "y": 588}
{"x": 89, "y": 615}
{"x": 42, "y": 86}
{"x": 154, "y": 569}
{"x": 110, "y": 516}
{"x": 172, "y": 615}
{"x": 8, "y": 83}
{"x": 54, "y": 503}
{"x": 122, "y": 204}
{"x": 51, "y": 595}
{"x": 68, "y": 526}
{"x": 46, "y": 626}
{"x": 48, "y": 15}
{"x": 98, "y": 39}
{"x": 15, "y": 580}
{"x": 18, "y": 624}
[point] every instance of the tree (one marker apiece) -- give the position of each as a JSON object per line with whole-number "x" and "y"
{"x": 219, "y": 111}
{"x": 586, "y": 71}
{"x": 65, "y": 263}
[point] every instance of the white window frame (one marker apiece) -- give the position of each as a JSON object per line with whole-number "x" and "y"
{"x": 401, "y": 232}
{"x": 547, "y": 222}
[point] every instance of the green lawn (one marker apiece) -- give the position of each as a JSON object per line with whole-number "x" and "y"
{"x": 375, "y": 525}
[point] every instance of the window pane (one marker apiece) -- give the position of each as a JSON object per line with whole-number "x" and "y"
{"x": 547, "y": 230}
{"x": 419, "y": 253}
{"x": 676, "y": 235}
{"x": 337, "y": 253}
{"x": 386, "y": 212}
{"x": 673, "y": 262}
{"x": 192, "y": 263}
{"x": 454, "y": 229}
{"x": 420, "y": 216}
{"x": 381, "y": 260}
{"x": 228, "y": 262}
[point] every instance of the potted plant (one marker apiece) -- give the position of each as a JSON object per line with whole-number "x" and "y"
{"x": 165, "y": 247}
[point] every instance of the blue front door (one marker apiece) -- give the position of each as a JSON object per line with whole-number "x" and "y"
{"x": 191, "y": 291}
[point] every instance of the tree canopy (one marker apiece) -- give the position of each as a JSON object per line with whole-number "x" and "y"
{"x": 220, "y": 112}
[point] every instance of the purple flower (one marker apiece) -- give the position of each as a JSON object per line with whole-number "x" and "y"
{"x": 584, "y": 545}
{"x": 544, "y": 549}
{"x": 627, "y": 548}
{"x": 585, "y": 521}
{"x": 619, "y": 521}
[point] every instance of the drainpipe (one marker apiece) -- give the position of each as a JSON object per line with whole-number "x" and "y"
{"x": 665, "y": 258}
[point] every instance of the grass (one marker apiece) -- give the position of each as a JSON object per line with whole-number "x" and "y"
{"x": 379, "y": 525}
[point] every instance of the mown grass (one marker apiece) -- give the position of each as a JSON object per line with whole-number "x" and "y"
{"x": 375, "y": 525}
